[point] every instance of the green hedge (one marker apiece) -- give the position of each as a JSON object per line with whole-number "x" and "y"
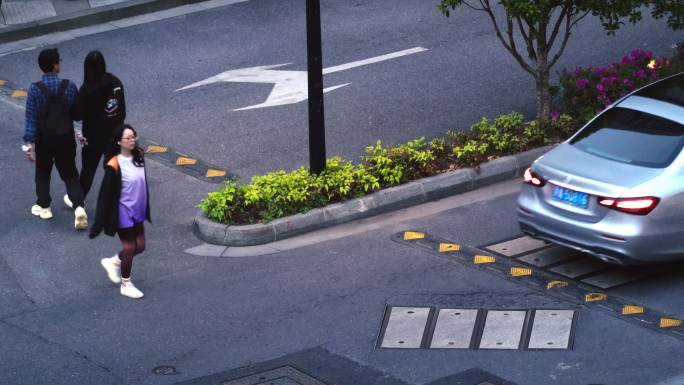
{"x": 281, "y": 193}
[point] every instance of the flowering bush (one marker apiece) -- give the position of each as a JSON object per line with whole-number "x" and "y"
{"x": 589, "y": 90}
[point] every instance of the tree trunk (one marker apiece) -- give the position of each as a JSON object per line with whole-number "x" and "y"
{"x": 543, "y": 94}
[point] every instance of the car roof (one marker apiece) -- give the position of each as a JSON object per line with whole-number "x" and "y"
{"x": 670, "y": 90}
{"x": 664, "y": 98}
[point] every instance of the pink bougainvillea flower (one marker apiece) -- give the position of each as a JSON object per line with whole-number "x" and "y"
{"x": 554, "y": 115}
{"x": 640, "y": 74}
{"x": 582, "y": 83}
{"x": 600, "y": 87}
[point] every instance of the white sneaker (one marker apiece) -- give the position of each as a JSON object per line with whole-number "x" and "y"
{"x": 67, "y": 201}
{"x": 113, "y": 267}
{"x": 80, "y": 218}
{"x": 129, "y": 290}
{"x": 43, "y": 213}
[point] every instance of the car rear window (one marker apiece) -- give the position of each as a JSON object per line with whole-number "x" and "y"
{"x": 633, "y": 137}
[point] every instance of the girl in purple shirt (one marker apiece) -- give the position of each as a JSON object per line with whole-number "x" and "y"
{"x": 122, "y": 207}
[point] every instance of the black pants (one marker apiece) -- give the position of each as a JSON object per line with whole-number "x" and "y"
{"x": 90, "y": 158}
{"x": 62, "y": 154}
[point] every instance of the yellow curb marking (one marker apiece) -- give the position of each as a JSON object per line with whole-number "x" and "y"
{"x": 553, "y": 284}
{"x": 183, "y": 161}
{"x": 444, "y": 247}
{"x": 632, "y": 309}
{"x": 19, "y": 93}
{"x": 669, "y": 322}
{"x": 3, "y": 82}
{"x": 520, "y": 271}
{"x": 409, "y": 235}
{"x": 480, "y": 259}
{"x": 593, "y": 297}
{"x": 211, "y": 173}
{"x": 152, "y": 149}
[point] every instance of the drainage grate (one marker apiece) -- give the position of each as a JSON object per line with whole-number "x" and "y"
{"x": 286, "y": 375}
{"x": 432, "y": 328}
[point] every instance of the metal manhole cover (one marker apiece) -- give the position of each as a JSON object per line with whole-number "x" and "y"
{"x": 165, "y": 370}
{"x": 286, "y": 375}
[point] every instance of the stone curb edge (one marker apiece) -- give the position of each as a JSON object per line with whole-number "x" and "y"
{"x": 88, "y": 17}
{"x": 393, "y": 198}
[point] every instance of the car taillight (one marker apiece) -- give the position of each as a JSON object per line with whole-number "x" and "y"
{"x": 639, "y": 206}
{"x": 532, "y": 178}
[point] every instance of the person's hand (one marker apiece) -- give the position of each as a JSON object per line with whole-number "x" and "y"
{"x": 30, "y": 151}
{"x": 81, "y": 139}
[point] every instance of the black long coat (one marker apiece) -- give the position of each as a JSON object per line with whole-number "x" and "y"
{"x": 107, "y": 211}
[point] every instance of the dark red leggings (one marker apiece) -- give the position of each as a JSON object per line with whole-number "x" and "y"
{"x": 133, "y": 243}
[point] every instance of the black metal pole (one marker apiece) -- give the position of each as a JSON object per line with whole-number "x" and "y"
{"x": 315, "y": 71}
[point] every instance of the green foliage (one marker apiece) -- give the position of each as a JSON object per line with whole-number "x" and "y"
{"x": 217, "y": 204}
{"x": 281, "y": 193}
{"x": 380, "y": 163}
{"x": 341, "y": 180}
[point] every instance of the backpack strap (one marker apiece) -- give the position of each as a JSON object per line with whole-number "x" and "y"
{"x": 114, "y": 163}
{"x": 62, "y": 88}
{"x": 43, "y": 88}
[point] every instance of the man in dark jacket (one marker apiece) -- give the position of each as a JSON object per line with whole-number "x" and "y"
{"x": 49, "y": 136}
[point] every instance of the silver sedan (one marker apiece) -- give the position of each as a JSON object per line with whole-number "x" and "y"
{"x": 615, "y": 189}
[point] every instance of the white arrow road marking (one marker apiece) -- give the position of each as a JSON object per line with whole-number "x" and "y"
{"x": 289, "y": 87}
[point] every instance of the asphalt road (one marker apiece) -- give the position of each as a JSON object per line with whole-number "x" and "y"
{"x": 62, "y": 322}
{"x": 464, "y": 74}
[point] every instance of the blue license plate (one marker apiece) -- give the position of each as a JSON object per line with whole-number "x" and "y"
{"x": 572, "y": 197}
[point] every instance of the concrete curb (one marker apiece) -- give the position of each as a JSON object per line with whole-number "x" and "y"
{"x": 393, "y": 198}
{"x": 88, "y": 17}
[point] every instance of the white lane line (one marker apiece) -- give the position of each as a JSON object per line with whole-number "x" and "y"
{"x": 372, "y": 60}
{"x": 289, "y": 86}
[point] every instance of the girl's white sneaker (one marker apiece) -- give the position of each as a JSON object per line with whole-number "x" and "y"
{"x": 113, "y": 268}
{"x": 129, "y": 290}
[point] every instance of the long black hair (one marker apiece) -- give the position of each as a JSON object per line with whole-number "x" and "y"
{"x": 115, "y": 147}
{"x": 94, "y": 68}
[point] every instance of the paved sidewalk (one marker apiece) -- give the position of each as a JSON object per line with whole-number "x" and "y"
{"x": 24, "y": 11}
{"x": 23, "y": 19}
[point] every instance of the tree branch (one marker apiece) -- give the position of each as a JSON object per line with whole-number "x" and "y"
{"x": 557, "y": 25}
{"x": 568, "y": 27}
{"x": 529, "y": 43}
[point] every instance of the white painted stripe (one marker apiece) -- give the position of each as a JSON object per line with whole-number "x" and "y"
{"x": 551, "y": 329}
{"x": 454, "y": 328}
{"x": 372, "y": 60}
{"x": 503, "y": 329}
{"x": 406, "y": 327}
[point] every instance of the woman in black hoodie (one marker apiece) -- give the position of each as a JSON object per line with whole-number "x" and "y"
{"x": 102, "y": 107}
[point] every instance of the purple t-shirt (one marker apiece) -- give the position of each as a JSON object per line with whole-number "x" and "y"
{"x": 133, "y": 201}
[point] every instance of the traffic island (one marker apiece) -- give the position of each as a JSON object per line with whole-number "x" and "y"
{"x": 393, "y": 198}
